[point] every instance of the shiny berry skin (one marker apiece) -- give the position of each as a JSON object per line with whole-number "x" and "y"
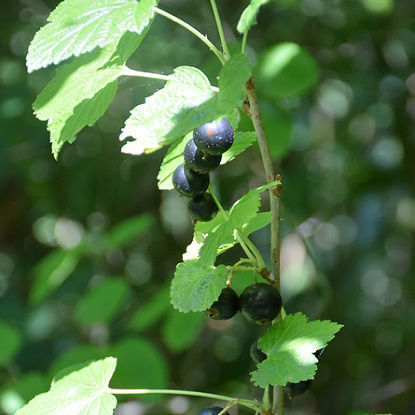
{"x": 199, "y": 161}
{"x": 214, "y": 137}
{"x": 203, "y": 207}
{"x": 212, "y": 410}
{"x": 189, "y": 183}
{"x": 299, "y": 388}
{"x": 226, "y": 306}
{"x": 257, "y": 355}
{"x": 260, "y": 303}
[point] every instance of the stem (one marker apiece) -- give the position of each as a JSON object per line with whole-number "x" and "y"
{"x": 255, "y": 115}
{"x": 131, "y": 72}
{"x": 244, "y": 41}
{"x": 191, "y": 29}
{"x": 220, "y": 29}
{"x": 238, "y": 234}
{"x": 274, "y": 193}
{"x": 265, "y": 399}
{"x": 244, "y": 402}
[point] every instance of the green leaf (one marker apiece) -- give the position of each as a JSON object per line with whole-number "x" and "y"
{"x": 187, "y": 324}
{"x": 289, "y": 345}
{"x": 172, "y": 160}
{"x": 102, "y": 302}
{"x": 195, "y": 286}
{"x": 286, "y": 70}
{"x": 77, "y": 26}
{"x": 239, "y": 216}
{"x": 232, "y": 79}
{"x": 151, "y": 312}
{"x": 82, "y": 392}
{"x": 82, "y": 90}
{"x": 128, "y": 230}
{"x": 51, "y": 271}
{"x": 139, "y": 364}
{"x": 186, "y": 102}
{"x": 9, "y": 344}
{"x": 243, "y": 140}
{"x": 248, "y": 17}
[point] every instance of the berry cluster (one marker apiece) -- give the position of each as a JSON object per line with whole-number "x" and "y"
{"x": 259, "y": 302}
{"x": 202, "y": 154}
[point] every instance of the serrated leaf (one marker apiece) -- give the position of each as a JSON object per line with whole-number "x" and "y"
{"x": 247, "y": 206}
{"x": 248, "y": 17}
{"x": 195, "y": 286}
{"x": 83, "y": 392}
{"x": 186, "y": 102}
{"x": 51, "y": 271}
{"x": 102, "y": 302}
{"x": 77, "y": 26}
{"x": 82, "y": 90}
{"x": 232, "y": 79}
{"x": 243, "y": 140}
{"x": 289, "y": 345}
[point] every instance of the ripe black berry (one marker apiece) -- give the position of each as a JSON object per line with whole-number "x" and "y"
{"x": 257, "y": 355}
{"x": 203, "y": 207}
{"x": 214, "y": 137}
{"x": 226, "y": 306}
{"x": 189, "y": 183}
{"x": 199, "y": 161}
{"x": 260, "y": 302}
{"x": 299, "y": 388}
{"x": 212, "y": 410}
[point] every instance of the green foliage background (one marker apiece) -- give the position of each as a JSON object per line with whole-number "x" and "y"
{"x": 92, "y": 232}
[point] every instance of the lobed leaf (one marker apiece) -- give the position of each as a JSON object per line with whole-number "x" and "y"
{"x": 82, "y": 90}
{"x": 82, "y": 392}
{"x": 195, "y": 286}
{"x": 289, "y": 345}
{"x": 186, "y": 102}
{"x": 77, "y": 26}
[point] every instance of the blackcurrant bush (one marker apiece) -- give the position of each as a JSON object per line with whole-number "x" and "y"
{"x": 188, "y": 182}
{"x": 299, "y": 388}
{"x": 203, "y": 207}
{"x": 212, "y": 410}
{"x": 257, "y": 355}
{"x": 214, "y": 137}
{"x": 199, "y": 161}
{"x": 226, "y": 306}
{"x": 260, "y": 303}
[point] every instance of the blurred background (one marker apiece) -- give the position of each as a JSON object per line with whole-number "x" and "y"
{"x": 88, "y": 244}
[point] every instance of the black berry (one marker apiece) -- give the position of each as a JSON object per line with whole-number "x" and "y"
{"x": 226, "y": 306}
{"x": 214, "y": 137}
{"x": 257, "y": 355}
{"x": 188, "y": 182}
{"x": 199, "y": 161}
{"x": 212, "y": 410}
{"x": 260, "y": 302}
{"x": 299, "y": 388}
{"x": 203, "y": 207}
